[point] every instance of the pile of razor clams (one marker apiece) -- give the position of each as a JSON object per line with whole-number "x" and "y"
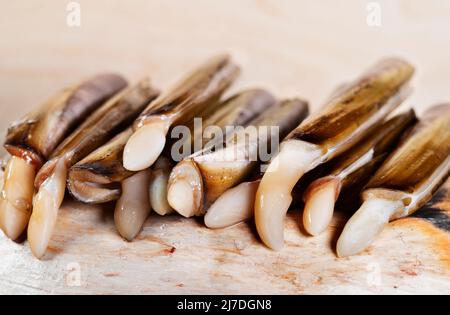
{"x": 104, "y": 141}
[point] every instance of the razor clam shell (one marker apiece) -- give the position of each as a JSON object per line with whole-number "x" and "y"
{"x": 238, "y": 110}
{"x": 218, "y": 178}
{"x": 413, "y": 165}
{"x": 37, "y": 135}
{"x": 198, "y": 92}
{"x": 356, "y": 105}
{"x": 96, "y": 178}
{"x": 242, "y": 108}
{"x": 108, "y": 120}
{"x": 380, "y": 142}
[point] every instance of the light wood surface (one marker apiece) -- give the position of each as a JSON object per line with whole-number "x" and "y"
{"x": 294, "y": 48}
{"x": 180, "y": 256}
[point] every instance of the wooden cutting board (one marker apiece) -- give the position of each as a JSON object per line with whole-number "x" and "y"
{"x": 173, "y": 255}
{"x": 293, "y": 48}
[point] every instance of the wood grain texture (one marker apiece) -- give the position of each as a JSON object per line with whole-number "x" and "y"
{"x": 180, "y": 256}
{"x": 292, "y": 48}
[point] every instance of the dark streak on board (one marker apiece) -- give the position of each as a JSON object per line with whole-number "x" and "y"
{"x": 437, "y": 217}
{"x": 433, "y": 211}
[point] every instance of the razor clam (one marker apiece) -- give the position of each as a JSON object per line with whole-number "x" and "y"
{"x": 237, "y": 110}
{"x": 200, "y": 179}
{"x": 157, "y": 190}
{"x": 197, "y": 93}
{"x": 404, "y": 182}
{"x": 133, "y": 206}
{"x": 353, "y": 168}
{"x": 50, "y": 182}
{"x": 31, "y": 141}
{"x": 232, "y": 207}
{"x": 344, "y": 121}
{"x": 96, "y": 178}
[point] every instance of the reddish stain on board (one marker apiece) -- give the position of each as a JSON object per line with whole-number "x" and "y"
{"x": 169, "y": 251}
{"x": 111, "y": 274}
{"x": 409, "y": 272}
{"x": 54, "y": 249}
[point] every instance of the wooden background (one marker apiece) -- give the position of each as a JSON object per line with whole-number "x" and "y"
{"x": 294, "y": 48}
